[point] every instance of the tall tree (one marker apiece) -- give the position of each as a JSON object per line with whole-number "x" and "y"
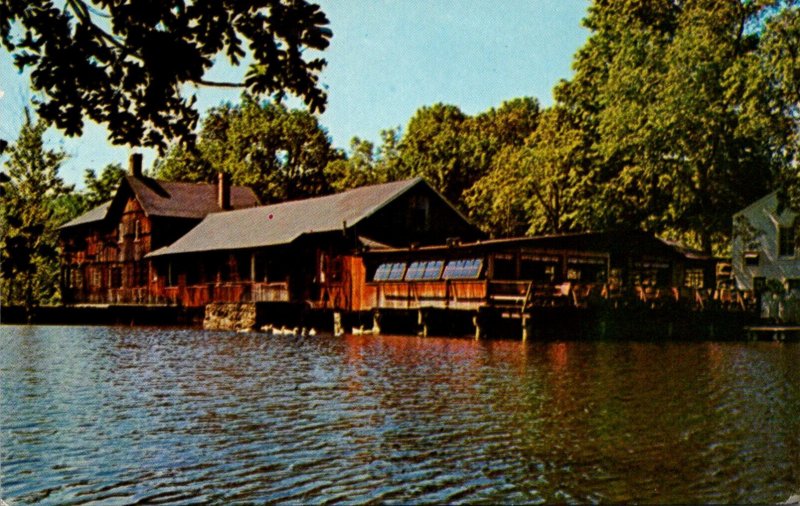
{"x": 497, "y": 201}
{"x": 280, "y": 152}
{"x": 614, "y": 79}
{"x": 771, "y": 95}
{"x": 125, "y": 63}
{"x": 509, "y": 125}
{"x": 435, "y": 147}
{"x": 670, "y": 145}
{"x": 27, "y": 214}
{"x": 453, "y": 150}
{"x": 528, "y": 189}
{"x": 715, "y": 167}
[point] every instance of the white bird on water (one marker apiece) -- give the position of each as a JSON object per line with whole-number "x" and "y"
{"x": 361, "y": 331}
{"x": 283, "y": 330}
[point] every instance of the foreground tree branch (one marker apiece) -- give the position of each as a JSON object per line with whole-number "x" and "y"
{"x": 126, "y": 70}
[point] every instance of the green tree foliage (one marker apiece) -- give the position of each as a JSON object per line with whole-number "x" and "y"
{"x": 28, "y": 219}
{"x": 442, "y": 144}
{"x": 437, "y": 147}
{"x": 672, "y": 140}
{"x": 101, "y": 188}
{"x": 126, "y": 63}
{"x": 367, "y": 164}
{"x": 497, "y": 201}
{"x": 771, "y": 95}
{"x": 359, "y": 169}
{"x": 679, "y": 113}
{"x": 452, "y": 150}
{"x": 281, "y": 153}
{"x": 528, "y": 188}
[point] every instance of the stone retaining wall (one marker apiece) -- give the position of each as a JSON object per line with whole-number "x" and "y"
{"x": 230, "y": 316}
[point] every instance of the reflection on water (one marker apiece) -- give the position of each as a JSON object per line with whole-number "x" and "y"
{"x": 121, "y": 415}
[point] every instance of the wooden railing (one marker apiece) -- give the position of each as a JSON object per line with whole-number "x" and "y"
{"x": 202, "y": 294}
{"x": 524, "y": 295}
{"x": 445, "y": 294}
{"x": 138, "y": 295}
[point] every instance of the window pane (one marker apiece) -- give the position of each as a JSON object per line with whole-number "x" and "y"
{"x": 452, "y": 269}
{"x": 694, "y": 278}
{"x": 390, "y": 272}
{"x": 786, "y": 241}
{"x": 396, "y": 272}
{"x": 415, "y": 270}
{"x": 433, "y": 269}
{"x": 381, "y": 273}
{"x": 463, "y": 269}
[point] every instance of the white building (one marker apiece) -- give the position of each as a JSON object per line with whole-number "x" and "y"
{"x": 765, "y": 245}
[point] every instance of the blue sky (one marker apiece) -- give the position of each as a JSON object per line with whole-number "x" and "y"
{"x": 386, "y": 60}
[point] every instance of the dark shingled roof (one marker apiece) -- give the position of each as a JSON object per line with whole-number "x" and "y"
{"x": 172, "y": 200}
{"x": 185, "y": 200}
{"x": 283, "y": 223}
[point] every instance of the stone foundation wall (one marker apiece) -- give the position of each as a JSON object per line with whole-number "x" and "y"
{"x": 230, "y": 316}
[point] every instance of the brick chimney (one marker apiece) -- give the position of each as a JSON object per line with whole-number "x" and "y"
{"x": 135, "y": 165}
{"x": 223, "y": 191}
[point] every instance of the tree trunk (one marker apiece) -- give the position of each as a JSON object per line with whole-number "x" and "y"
{"x": 705, "y": 241}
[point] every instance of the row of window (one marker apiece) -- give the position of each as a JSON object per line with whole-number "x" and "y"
{"x": 432, "y": 270}
{"x": 429, "y": 270}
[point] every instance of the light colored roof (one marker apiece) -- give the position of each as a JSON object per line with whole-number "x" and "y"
{"x": 759, "y": 203}
{"x": 91, "y": 216}
{"x": 372, "y": 243}
{"x": 283, "y": 223}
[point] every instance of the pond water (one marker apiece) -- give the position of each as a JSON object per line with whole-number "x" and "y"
{"x": 120, "y": 415}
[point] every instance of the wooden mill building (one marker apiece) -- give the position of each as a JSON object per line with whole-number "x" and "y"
{"x": 305, "y": 251}
{"x": 567, "y": 269}
{"x": 103, "y": 252}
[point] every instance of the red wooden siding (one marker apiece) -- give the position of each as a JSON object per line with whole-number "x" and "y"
{"x": 107, "y": 265}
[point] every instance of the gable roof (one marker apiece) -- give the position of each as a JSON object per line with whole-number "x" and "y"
{"x": 184, "y": 200}
{"x": 765, "y": 200}
{"x": 283, "y": 223}
{"x": 92, "y": 216}
{"x": 170, "y": 199}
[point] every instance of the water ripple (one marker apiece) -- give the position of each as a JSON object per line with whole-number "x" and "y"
{"x": 126, "y": 416}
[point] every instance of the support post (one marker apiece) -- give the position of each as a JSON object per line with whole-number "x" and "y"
{"x": 338, "y": 330}
{"x": 423, "y": 325}
{"x": 527, "y": 328}
{"x": 476, "y": 322}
